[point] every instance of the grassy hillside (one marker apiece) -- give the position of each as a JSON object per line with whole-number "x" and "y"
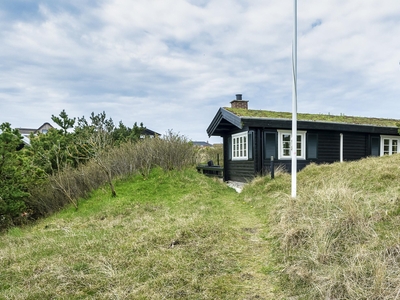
{"x": 180, "y": 235}
{"x": 340, "y": 239}
{"x": 175, "y": 235}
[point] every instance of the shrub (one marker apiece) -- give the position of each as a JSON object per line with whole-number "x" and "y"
{"x": 17, "y": 176}
{"x": 205, "y": 154}
{"x": 173, "y": 151}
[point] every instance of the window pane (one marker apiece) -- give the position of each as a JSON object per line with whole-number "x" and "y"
{"x": 286, "y": 144}
{"x": 394, "y": 146}
{"x": 244, "y": 146}
{"x": 386, "y": 143}
{"x": 236, "y": 146}
{"x": 286, "y": 152}
{"x": 298, "y": 145}
{"x": 289, "y": 146}
{"x": 239, "y": 145}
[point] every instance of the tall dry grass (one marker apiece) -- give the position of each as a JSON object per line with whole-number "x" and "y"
{"x": 205, "y": 154}
{"x": 340, "y": 238}
{"x": 173, "y": 151}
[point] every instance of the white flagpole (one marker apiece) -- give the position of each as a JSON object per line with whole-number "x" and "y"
{"x": 294, "y": 105}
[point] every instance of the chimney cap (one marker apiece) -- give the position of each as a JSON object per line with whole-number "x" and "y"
{"x": 239, "y": 103}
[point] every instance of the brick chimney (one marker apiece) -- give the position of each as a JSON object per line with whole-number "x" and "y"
{"x": 239, "y": 103}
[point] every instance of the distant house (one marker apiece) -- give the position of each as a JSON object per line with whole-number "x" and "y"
{"x": 42, "y": 129}
{"x": 149, "y": 133}
{"x": 25, "y": 132}
{"x": 252, "y": 137}
{"x": 201, "y": 144}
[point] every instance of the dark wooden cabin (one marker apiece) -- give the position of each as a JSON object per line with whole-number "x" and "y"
{"x": 252, "y": 137}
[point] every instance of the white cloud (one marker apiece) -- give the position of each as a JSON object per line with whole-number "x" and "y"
{"x": 172, "y": 64}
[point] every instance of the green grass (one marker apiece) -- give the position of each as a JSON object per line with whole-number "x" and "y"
{"x": 181, "y": 235}
{"x": 174, "y": 235}
{"x": 315, "y": 117}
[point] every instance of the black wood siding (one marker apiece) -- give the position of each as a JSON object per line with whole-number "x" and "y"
{"x": 240, "y": 170}
{"x": 355, "y": 146}
{"x": 328, "y": 147}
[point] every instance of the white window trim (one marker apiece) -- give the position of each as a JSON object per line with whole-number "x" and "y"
{"x": 303, "y": 144}
{"x": 341, "y": 147}
{"x": 391, "y": 138}
{"x": 245, "y": 151}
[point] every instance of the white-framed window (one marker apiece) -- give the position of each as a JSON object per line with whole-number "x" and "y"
{"x": 284, "y": 144}
{"x": 390, "y": 145}
{"x": 240, "y": 146}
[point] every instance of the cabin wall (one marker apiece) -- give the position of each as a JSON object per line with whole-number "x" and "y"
{"x": 355, "y": 146}
{"x": 328, "y": 147}
{"x": 240, "y": 171}
{"x": 237, "y": 170}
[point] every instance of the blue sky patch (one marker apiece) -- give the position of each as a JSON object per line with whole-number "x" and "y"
{"x": 20, "y": 9}
{"x": 316, "y": 23}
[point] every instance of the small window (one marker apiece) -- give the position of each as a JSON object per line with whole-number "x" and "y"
{"x": 375, "y": 146}
{"x": 250, "y": 143}
{"x": 389, "y": 145}
{"x": 270, "y": 148}
{"x": 285, "y": 142}
{"x": 240, "y": 146}
{"x": 312, "y": 146}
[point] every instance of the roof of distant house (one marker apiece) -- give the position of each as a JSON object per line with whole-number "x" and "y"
{"x": 34, "y": 130}
{"x": 147, "y": 131}
{"x": 201, "y": 144}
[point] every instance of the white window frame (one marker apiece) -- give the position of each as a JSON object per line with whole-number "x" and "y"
{"x": 240, "y": 146}
{"x": 391, "y": 139}
{"x": 302, "y": 134}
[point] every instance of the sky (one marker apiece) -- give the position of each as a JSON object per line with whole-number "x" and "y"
{"x": 172, "y": 64}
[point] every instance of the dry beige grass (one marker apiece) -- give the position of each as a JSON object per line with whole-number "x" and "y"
{"x": 340, "y": 236}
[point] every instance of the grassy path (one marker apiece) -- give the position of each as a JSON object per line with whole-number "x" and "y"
{"x": 175, "y": 235}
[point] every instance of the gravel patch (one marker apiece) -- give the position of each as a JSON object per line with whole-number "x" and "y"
{"x": 236, "y": 185}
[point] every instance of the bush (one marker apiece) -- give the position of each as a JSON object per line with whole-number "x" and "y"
{"x": 173, "y": 151}
{"x": 17, "y": 176}
{"x": 205, "y": 154}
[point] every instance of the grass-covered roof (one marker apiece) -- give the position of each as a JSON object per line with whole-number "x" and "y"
{"x": 314, "y": 117}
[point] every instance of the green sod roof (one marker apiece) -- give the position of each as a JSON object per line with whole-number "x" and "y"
{"x": 250, "y": 113}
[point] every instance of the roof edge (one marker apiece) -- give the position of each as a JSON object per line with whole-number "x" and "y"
{"x": 315, "y": 121}
{"x": 223, "y": 114}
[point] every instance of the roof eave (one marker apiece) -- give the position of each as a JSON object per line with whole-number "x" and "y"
{"x": 223, "y": 114}
{"x": 323, "y": 125}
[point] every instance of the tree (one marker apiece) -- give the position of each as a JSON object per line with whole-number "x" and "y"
{"x": 17, "y": 175}
{"x": 64, "y": 121}
{"x": 93, "y": 142}
{"x": 52, "y": 151}
{"x": 123, "y": 134}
